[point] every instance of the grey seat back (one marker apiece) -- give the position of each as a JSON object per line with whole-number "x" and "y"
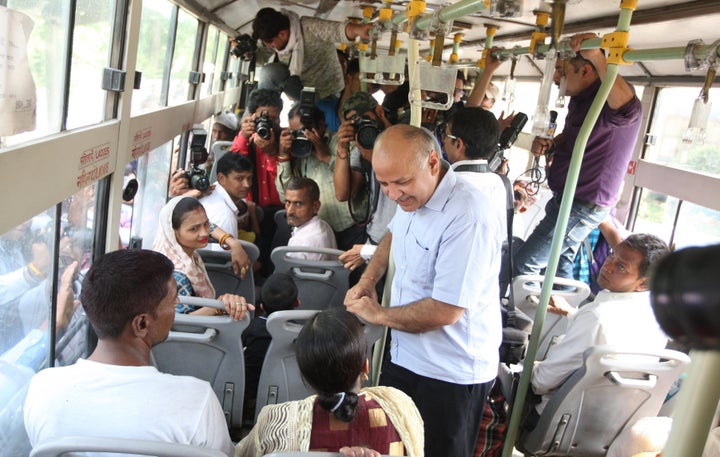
{"x": 280, "y": 378}
{"x": 220, "y": 270}
{"x": 209, "y": 348}
{"x": 613, "y": 389}
{"x": 283, "y": 231}
{"x": 525, "y": 292}
{"x": 218, "y": 149}
{"x": 59, "y": 446}
{"x": 320, "y": 283}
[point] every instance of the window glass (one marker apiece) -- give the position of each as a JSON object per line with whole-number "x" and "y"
{"x": 91, "y": 47}
{"x": 669, "y": 124}
{"x": 234, "y": 68}
{"x": 209, "y": 63}
{"x": 656, "y": 214}
{"x": 696, "y": 226}
{"x": 152, "y": 54}
{"x": 223, "y": 48}
{"x": 153, "y": 171}
{"x": 182, "y": 58}
{"x": 40, "y": 29}
{"x": 26, "y": 269}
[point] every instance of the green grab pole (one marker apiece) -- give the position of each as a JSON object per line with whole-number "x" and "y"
{"x": 559, "y": 235}
{"x": 630, "y": 55}
{"x": 446, "y": 13}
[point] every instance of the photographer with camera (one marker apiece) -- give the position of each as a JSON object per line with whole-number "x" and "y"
{"x": 259, "y": 140}
{"x": 308, "y": 46}
{"x": 194, "y": 182}
{"x": 308, "y": 150}
{"x": 354, "y": 177}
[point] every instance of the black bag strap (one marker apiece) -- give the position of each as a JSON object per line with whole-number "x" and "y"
{"x": 475, "y": 167}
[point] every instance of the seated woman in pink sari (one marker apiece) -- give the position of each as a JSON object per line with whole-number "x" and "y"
{"x": 184, "y": 228}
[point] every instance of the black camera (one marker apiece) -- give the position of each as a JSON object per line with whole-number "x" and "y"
{"x": 263, "y": 126}
{"x": 301, "y": 146}
{"x": 197, "y": 177}
{"x": 244, "y": 47}
{"x": 367, "y": 130}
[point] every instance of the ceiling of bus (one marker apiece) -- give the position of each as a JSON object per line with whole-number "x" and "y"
{"x": 655, "y": 24}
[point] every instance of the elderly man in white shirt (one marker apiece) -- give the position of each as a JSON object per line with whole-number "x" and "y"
{"x": 620, "y": 315}
{"x": 302, "y": 203}
{"x": 444, "y": 311}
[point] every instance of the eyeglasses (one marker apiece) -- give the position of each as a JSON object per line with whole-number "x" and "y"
{"x": 444, "y": 135}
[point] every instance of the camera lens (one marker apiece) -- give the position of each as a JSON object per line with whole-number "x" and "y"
{"x": 301, "y": 147}
{"x": 263, "y": 131}
{"x": 366, "y": 136}
{"x": 199, "y": 181}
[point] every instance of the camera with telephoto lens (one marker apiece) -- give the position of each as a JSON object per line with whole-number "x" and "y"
{"x": 367, "y": 130}
{"x": 244, "y": 47}
{"x": 301, "y": 146}
{"x": 263, "y": 125}
{"x": 197, "y": 177}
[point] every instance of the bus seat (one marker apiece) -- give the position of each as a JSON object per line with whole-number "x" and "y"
{"x": 59, "y": 446}
{"x": 283, "y": 231}
{"x": 218, "y": 149}
{"x": 525, "y": 292}
{"x": 609, "y": 393}
{"x": 208, "y": 348}
{"x": 320, "y": 283}
{"x": 280, "y": 378}
{"x": 220, "y": 270}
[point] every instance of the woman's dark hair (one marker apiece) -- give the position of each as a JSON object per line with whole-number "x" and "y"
{"x": 330, "y": 352}
{"x": 184, "y": 206}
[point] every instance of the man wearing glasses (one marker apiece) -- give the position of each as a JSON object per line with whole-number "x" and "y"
{"x": 607, "y": 153}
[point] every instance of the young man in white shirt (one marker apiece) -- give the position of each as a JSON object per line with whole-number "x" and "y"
{"x": 129, "y": 297}
{"x": 620, "y": 315}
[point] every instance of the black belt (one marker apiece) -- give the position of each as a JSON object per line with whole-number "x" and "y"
{"x": 577, "y": 201}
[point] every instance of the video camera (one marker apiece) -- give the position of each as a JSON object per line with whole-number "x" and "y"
{"x": 198, "y": 177}
{"x": 301, "y": 146}
{"x": 244, "y": 48}
{"x": 507, "y": 138}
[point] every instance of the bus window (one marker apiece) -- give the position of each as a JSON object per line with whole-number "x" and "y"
{"x": 185, "y": 34}
{"x": 669, "y": 123}
{"x": 153, "y": 171}
{"x": 152, "y": 55}
{"x": 679, "y": 223}
{"x": 46, "y": 50}
{"x": 26, "y": 272}
{"x": 656, "y": 214}
{"x": 210, "y": 65}
{"x": 223, "y": 49}
{"x": 91, "y": 47}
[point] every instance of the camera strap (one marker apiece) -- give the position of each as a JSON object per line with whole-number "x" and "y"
{"x": 373, "y": 192}
{"x": 253, "y": 158}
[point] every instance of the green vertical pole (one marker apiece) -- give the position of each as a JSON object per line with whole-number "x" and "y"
{"x": 558, "y": 237}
